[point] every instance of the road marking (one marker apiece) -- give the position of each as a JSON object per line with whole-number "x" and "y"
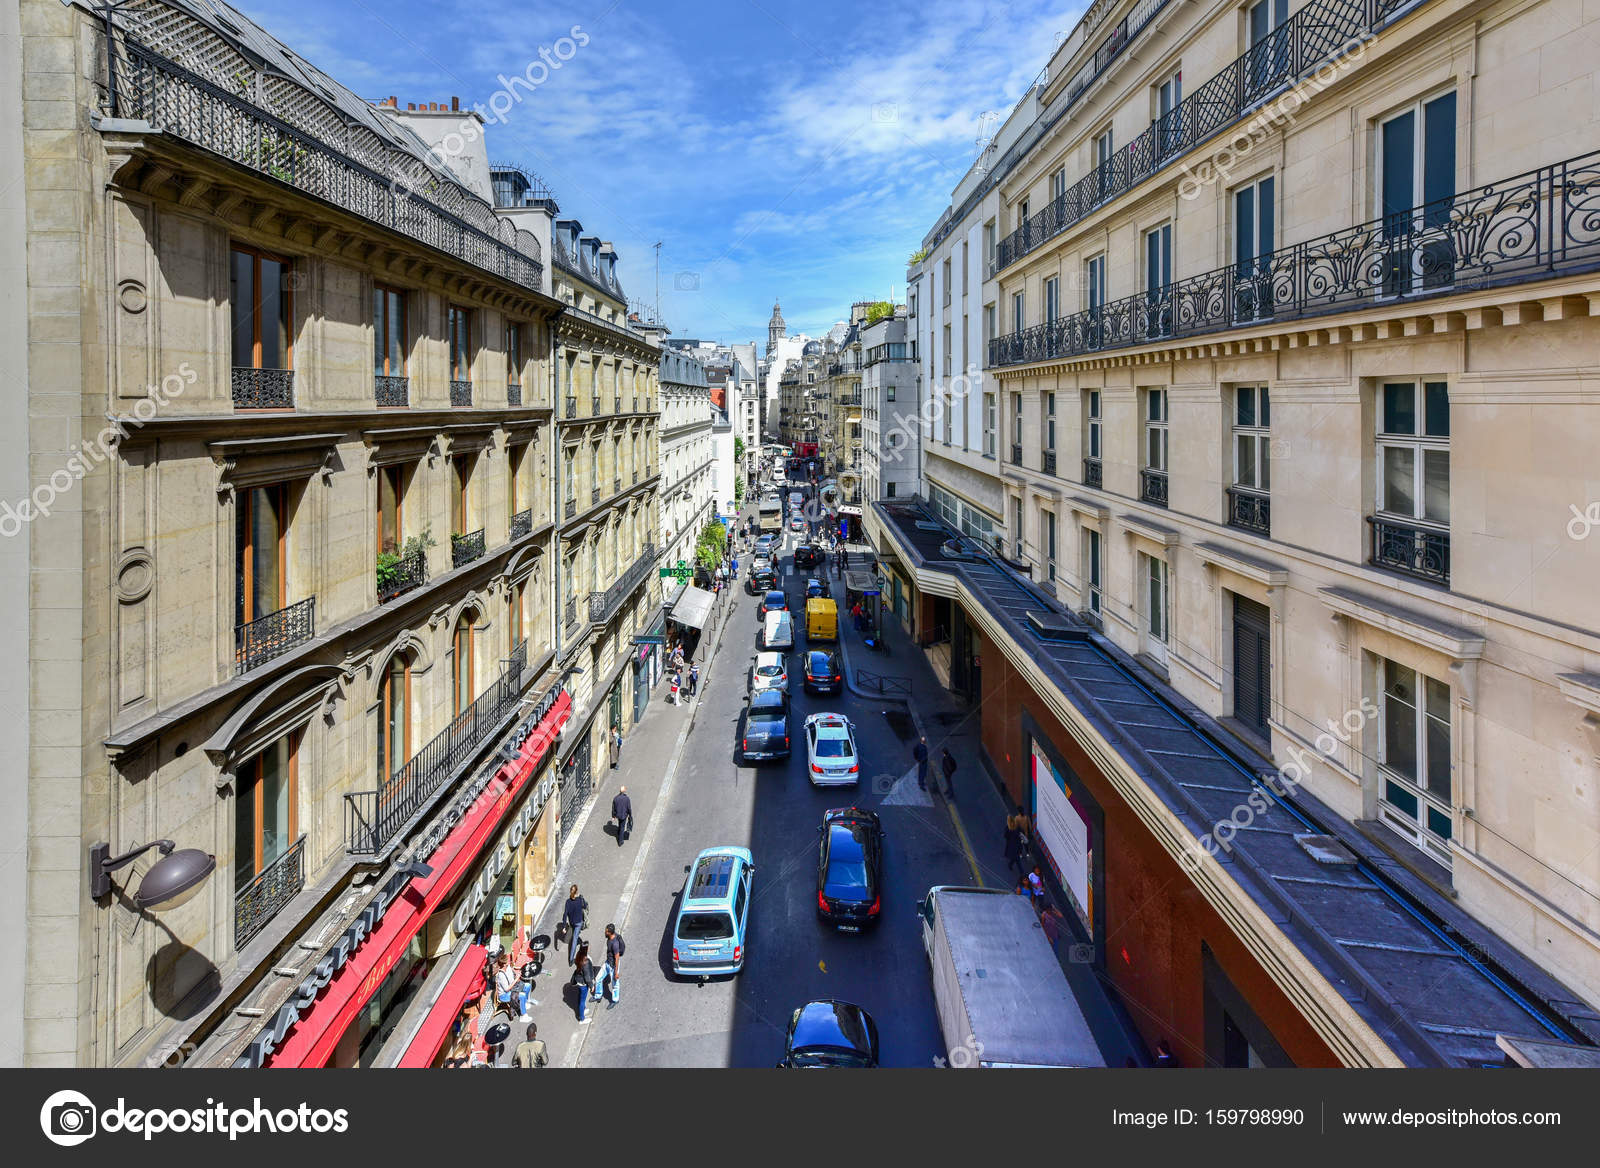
{"x": 905, "y": 792}
{"x": 966, "y": 846}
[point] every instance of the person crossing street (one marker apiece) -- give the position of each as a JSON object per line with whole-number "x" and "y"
{"x": 611, "y": 972}
{"x": 622, "y": 812}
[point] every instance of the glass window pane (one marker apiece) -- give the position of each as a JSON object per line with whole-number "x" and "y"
{"x": 1438, "y": 747}
{"x": 1399, "y": 408}
{"x": 1245, "y": 414}
{"x": 1438, "y": 824}
{"x": 1244, "y": 226}
{"x": 242, "y": 299}
{"x": 1436, "y": 485}
{"x": 1400, "y": 720}
{"x": 378, "y": 335}
{"x": 1094, "y": 441}
{"x": 1266, "y": 407}
{"x": 266, "y": 563}
{"x": 1436, "y": 397}
{"x": 1245, "y": 460}
{"x": 1266, "y": 212}
{"x": 276, "y": 794}
{"x": 274, "y": 315}
{"x": 1399, "y": 480}
{"x": 1264, "y": 453}
{"x": 244, "y": 830}
{"x": 1397, "y": 795}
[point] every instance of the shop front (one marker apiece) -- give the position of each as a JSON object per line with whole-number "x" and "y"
{"x": 647, "y": 654}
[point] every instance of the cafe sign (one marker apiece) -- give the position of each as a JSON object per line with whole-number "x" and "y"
{"x": 502, "y": 856}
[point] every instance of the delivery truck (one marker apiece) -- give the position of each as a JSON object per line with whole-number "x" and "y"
{"x": 1002, "y": 997}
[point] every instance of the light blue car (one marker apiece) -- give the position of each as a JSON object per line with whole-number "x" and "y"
{"x": 708, "y": 938}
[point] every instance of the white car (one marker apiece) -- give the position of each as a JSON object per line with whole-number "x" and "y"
{"x": 771, "y": 671}
{"x": 831, "y": 759}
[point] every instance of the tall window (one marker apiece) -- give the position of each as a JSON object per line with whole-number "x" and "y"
{"x": 262, "y": 305}
{"x": 260, "y": 560}
{"x": 1023, "y": 214}
{"x": 1155, "y": 430}
{"x": 1018, "y": 317}
{"x": 1254, "y": 214}
{"x": 1252, "y": 421}
{"x": 1094, "y": 282}
{"x": 1157, "y": 605}
{"x": 988, "y": 424}
{"x": 1169, "y": 118}
{"x": 1268, "y": 56}
{"x": 514, "y": 355}
{"x": 1016, "y": 529}
{"x": 1414, "y": 758}
{"x": 519, "y": 604}
{"x": 1048, "y": 417}
{"x": 266, "y": 815}
{"x": 989, "y": 332}
{"x": 394, "y": 714}
{"x": 460, "y": 494}
{"x": 460, "y": 326}
{"x": 1058, "y": 184}
{"x": 1049, "y": 520}
{"x": 392, "y": 481}
{"x": 462, "y": 661}
{"x": 988, "y": 242}
{"x": 1016, "y": 423}
{"x": 1052, "y": 300}
{"x": 1092, "y": 568}
{"x": 389, "y": 332}
{"x": 1157, "y": 278}
{"x": 516, "y": 459}
{"x": 1091, "y": 424}
{"x": 1103, "y": 150}
{"x": 1414, "y": 451}
{"x": 945, "y": 272}
{"x": 1417, "y": 180}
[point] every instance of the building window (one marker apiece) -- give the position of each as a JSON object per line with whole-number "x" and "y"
{"x": 988, "y": 323}
{"x": 392, "y": 483}
{"x": 1254, "y": 214}
{"x": 1018, "y": 319}
{"x": 888, "y": 489}
{"x": 1268, "y": 56}
{"x": 266, "y": 811}
{"x": 945, "y": 271}
{"x": 988, "y": 242}
{"x": 1016, "y": 423}
{"x": 1058, "y": 184}
{"x": 888, "y": 392}
{"x": 1016, "y": 529}
{"x": 988, "y": 424}
{"x": 1094, "y": 283}
{"x": 1417, "y": 182}
{"x": 1022, "y": 214}
{"x": 460, "y": 326}
{"x": 389, "y": 332}
{"x": 1158, "y": 279}
{"x": 1252, "y": 421}
{"x": 460, "y": 494}
{"x": 1157, "y": 605}
{"x": 1091, "y": 427}
{"x": 1047, "y": 413}
{"x": 260, "y": 553}
{"x": 1155, "y": 430}
{"x": 394, "y": 714}
{"x": 1052, "y": 301}
{"x": 1169, "y": 115}
{"x": 1092, "y": 567}
{"x": 1103, "y": 150}
{"x": 262, "y": 306}
{"x": 514, "y": 355}
{"x": 1411, "y": 530}
{"x": 1049, "y": 520}
{"x": 462, "y": 661}
{"x": 1414, "y": 758}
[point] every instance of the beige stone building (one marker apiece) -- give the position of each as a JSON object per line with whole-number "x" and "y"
{"x": 1289, "y": 341}
{"x": 317, "y": 418}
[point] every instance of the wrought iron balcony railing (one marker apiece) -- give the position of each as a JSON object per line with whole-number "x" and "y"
{"x": 1417, "y": 550}
{"x": 268, "y": 891}
{"x": 404, "y": 574}
{"x": 603, "y": 605}
{"x": 464, "y": 548}
{"x": 461, "y": 393}
{"x": 181, "y": 103}
{"x": 263, "y": 389}
{"x": 391, "y": 391}
{"x": 521, "y": 524}
{"x": 1047, "y": 462}
{"x": 1251, "y": 510}
{"x": 372, "y": 818}
{"x": 259, "y": 641}
{"x": 513, "y": 393}
{"x": 1153, "y": 486}
{"x": 1530, "y": 227}
{"x": 1322, "y": 31}
{"x": 1091, "y": 472}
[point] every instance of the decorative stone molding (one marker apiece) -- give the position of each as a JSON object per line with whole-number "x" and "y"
{"x": 135, "y": 575}
{"x": 249, "y": 462}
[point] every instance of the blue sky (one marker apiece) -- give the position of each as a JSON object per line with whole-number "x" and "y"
{"x": 797, "y": 151}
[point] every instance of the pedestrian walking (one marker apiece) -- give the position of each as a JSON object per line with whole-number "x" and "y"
{"x": 616, "y": 745}
{"x": 694, "y": 680}
{"x": 574, "y": 914}
{"x": 583, "y": 977}
{"x": 611, "y": 971}
{"x": 948, "y": 765}
{"x": 676, "y": 677}
{"x": 1053, "y": 923}
{"x": 920, "y": 752}
{"x": 1036, "y": 887}
{"x": 509, "y": 988}
{"x": 622, "y": 812}
{"x": 1015, "y": 847}
{"x": 530, "y": 1053}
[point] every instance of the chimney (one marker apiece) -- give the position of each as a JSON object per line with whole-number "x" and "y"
{"x": 412, "y": 106}
{"x": 455, "y": 105}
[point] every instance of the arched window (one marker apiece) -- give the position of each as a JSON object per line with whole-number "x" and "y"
{"x": 461, "y": 661}
{"x": 394, "y": 716}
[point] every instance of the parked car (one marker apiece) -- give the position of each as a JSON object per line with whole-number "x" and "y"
{"x": 827, "y": 1033}
{"x": 831, "y": 758}
{"x": 807, "y": 555}
{"x": 766, "y": 726}
{"x": 708, "y": 938}
{"x": 769, "y": 672}
{"x": 773, "y": 601}
{"x": 822, "y": 673}
{"x": 850, "y": 869}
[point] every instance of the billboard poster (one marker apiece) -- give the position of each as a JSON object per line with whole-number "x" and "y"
{"x": 1064, "y": 835}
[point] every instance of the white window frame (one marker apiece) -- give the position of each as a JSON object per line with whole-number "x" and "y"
{"x": 1019, "y": 305}
{"x": 1091, "y": 424}
{"x": 1155, "y": 429}
{"x": 1052, "y": 299}
{"x": 1093, "y": 569}
{"x": 989, "y": 408}
{"x": 1094, "y": 282}
{"x": 1254, "y": 435}
{"x": 1047, "y": 412}
{"x": 1048, "y": 523}
{"x": 1423, "y": 449}
{"x": 1431, "y": 707}
{"x": 1155, "y": 591}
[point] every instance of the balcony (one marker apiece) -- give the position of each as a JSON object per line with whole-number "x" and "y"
{"x": 892, "y": 351}
{"x": 1091, "y": 472}
{"x": 1404, "y": 546}
{"x": 389, "y": 392}
{"x": 399, "y": 574}
{"x": 269, "y": 890}
{"x": 604, "y": 605}
{"x": 466, "y": 547}
{"x": 572, "y": 406}
{"x": 259, "y": 641}
{"x": 521, "y": 524}
{"x": 461, "y": 394}
{"x": 513, "y": 393}
{"x": 1250, "y": 510}
{"x": 373, "y": 818}
{"x": 1047, "y": 462}
{"x": 1153, "y": 486}
{"x": 263, "y": 389}
{"x": 1531, "y": 227}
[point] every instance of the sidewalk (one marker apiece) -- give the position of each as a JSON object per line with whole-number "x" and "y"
{"x": 980, "y": 807}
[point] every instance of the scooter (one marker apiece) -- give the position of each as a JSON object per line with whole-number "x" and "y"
{"x": 875, "y": 642}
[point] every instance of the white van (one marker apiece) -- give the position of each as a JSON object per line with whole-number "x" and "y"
{"x": 777, "y": 630}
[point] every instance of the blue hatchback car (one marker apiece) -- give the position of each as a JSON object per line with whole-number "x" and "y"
{"x": 708, "y": 938}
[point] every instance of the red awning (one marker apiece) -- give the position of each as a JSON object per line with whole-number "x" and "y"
{"x": 464, "y": 982}
{"x": 311, "y": 1041}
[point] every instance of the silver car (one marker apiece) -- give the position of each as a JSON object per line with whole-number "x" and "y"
{"x": 771, "y": 671}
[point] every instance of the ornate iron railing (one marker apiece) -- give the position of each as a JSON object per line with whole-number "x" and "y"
{"x": 513, "y": 393}
{"x": 259, "y": 641}
{"x": 1091, "y": 472}
{"x": 1529, "y": 227}
{"x": 1250, "y": 510}
{"x": 464, "y": 548}
{"x": 373, "y": 817}
{"x": 391, "y": 391}
{"x": 460, "y": 393}
{"x": 1322, "y": 31}
{"x": 263, "y": 389}
{"x": 1400, "y": 546}
{"x": 1153, "y": 486}
{"x": 603, "y": 605}
{"x": 182, "y": 103}
{"x": 521, "y": 524}
{"x": 269, "y": 890}
{"x": 1047, "y": 462}
{"x": 410, "y": 572}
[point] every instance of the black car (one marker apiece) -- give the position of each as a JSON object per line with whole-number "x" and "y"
{"x": 823, "y": 674}
{"x": 850, "y": 869}
{"x": 816, "y": 588}
{"x": 831, "y": 1034}
{"x": 762, "y": 575}
{"x": 774, "y": 601}
{"x": 766, "y": 726}
{"x": 807, "y": 556}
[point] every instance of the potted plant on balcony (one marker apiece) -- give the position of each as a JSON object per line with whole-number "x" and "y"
{"x": 390, "y": 562}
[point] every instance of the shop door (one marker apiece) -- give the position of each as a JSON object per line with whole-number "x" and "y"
{"x": 616, "y": 706}
{"x": 577, "y": 784}
{"x": 1252, "y": 664}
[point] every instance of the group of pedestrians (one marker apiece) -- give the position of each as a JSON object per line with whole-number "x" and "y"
{"x": 593, "y": 982}
{"x": 686, "y": 684}
{"x": 947, "y": 764}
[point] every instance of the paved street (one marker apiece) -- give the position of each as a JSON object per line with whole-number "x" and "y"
{"x": 773, "y": 810}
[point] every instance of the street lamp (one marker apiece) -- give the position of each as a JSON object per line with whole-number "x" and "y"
{"x": 172, "y": 880}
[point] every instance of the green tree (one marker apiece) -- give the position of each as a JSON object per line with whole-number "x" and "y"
{"x": 711, "y": 546}
{"x": 918, "y": 256}
{"x": 879, "y": 309}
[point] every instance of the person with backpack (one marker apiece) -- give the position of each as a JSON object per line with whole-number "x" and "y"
{"x": 611, "y": 971}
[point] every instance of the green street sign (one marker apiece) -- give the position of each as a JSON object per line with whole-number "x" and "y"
{"x": 681, "y": 573}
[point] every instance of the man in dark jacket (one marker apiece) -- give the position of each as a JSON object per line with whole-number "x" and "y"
{"x": 572, "y": 915}
{"x": 622, "y": 812}
{"x": 948, "y": 765}
{"x": 921, "y": 754}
